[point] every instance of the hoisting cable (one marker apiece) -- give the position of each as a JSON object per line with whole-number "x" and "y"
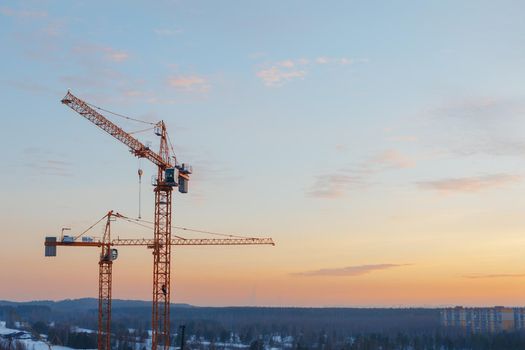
{"x": 134, "y": 221}
{"x": 189, "y": 229}
{"x": 90, "y": 227}
{"x": 120, "y": 115}
{"x": 142, "y": 130}
{"x": 209, "y": 232}
{"x": 171, "y": 147}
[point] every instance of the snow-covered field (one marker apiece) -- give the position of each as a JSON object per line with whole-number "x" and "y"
{"x": 40, "y": 344}
{"x": 26, "y": 339}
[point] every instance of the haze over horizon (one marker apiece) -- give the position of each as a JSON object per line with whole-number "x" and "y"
{"x": 380, "y": 144}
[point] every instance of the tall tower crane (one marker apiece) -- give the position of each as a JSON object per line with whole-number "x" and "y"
{"x": 169, "y": 174}
{"x": 109, "y": 254}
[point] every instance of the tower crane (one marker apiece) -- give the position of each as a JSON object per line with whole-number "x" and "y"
{"x": 109, "y": 254}
{"x": 167, "y": 167}
{"x": 170, "y": 174}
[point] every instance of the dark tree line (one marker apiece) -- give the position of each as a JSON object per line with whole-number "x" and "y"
{"x": 438, "y": 341}
{"x": 260, "y": 328}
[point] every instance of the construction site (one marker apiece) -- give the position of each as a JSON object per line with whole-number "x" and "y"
{"x": 170, "y": 175}
{"x": 262, "y": 175}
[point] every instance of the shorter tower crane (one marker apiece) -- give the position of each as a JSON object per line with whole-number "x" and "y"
{"x": 109, "y": 254}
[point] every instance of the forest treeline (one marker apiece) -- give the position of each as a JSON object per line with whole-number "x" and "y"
{"x": 259, "y": 328}
{"x": 261, "y": 320}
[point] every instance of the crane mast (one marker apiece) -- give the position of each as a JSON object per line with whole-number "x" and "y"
{"x": 163, "y": 189}
{"x": 104, "y": 288}
{"x": 160, "y": 323}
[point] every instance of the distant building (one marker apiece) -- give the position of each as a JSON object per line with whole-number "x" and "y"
{"x": 484, "y": 320}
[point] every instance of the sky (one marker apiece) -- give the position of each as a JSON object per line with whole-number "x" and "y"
{"x": 379, "y": 143}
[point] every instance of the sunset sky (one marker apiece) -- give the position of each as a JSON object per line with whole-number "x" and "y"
{"x": 381, "y": 144}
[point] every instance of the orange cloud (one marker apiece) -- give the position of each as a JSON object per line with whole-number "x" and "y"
{"x": 495, "y": 275}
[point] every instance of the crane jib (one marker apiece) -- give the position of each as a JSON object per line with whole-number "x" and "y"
{"x": 136, "y": 147}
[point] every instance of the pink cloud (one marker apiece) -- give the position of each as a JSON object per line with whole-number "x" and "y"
{"x": 275, "y": 76}
{"x": 6, "y": 11}
{"x": 392, "y": 158}
{"x": 109, "y": 53}
{"x": 189, "y": 83}
{"x": 470, "y": 184}
{"x": 332, "y": 192}
{"x": 358, "y": 270}
{"x": 287, "y": 64}
{"x": 278, "y": 73}
{"x": 332, "y": 186}
{"x": 117, "y": 56}
{"x": 337, "y": 184}
{"x": 133, "y": 93}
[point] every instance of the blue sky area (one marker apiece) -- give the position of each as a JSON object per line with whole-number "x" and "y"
{"x": 380, "y": 143}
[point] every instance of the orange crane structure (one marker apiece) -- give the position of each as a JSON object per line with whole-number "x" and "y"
{"x": 109, "y": 254}
{"x": 170, "y": 174}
